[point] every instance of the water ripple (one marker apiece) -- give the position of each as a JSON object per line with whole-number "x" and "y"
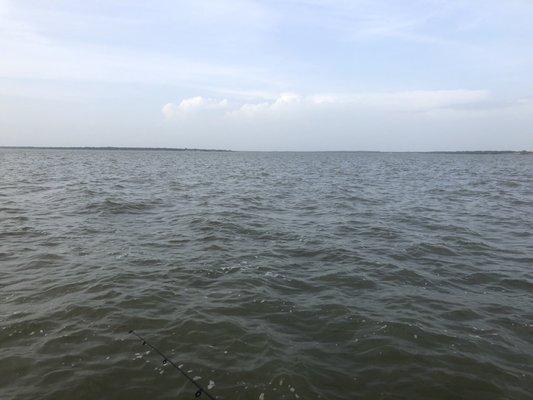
{"x": 267, "y": 275}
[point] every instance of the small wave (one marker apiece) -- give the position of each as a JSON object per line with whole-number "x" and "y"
{"x": 429, "y": 249}
{"x": 112, "y": 206}
{"x": 520, "y": 284}
{"x": 462, "y": 314}
{"x": 511, "y": 184}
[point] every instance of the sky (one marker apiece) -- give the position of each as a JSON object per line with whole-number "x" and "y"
{"x": 388, "y": 75}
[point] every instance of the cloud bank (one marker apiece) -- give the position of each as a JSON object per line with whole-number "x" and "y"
{"x": 389, "y": 121}
{"x": 193, "y": 105}
{"x": 288, "y": 103}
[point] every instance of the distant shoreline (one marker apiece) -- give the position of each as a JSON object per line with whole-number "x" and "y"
{"x": 481, "y": 152}
{"x": 108, "y": 148}
{"x": 113, "y": 148}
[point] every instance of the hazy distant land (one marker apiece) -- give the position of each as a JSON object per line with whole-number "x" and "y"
{"x": 111, "y": 148}
{"x": 481, "y": 152}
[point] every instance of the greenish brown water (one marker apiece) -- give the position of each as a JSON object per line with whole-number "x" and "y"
{"x": 282, "y": 275}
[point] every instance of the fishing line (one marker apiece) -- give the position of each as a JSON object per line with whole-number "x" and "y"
{"x": 200, "y": 390}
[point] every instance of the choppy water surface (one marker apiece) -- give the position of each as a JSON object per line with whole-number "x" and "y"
{"x": 275, "y": 276}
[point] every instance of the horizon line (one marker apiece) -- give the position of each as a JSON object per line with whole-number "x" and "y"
{"x": 130, "y": 148}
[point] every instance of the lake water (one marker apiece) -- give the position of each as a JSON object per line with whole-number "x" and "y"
{"x": 267, "y": 275}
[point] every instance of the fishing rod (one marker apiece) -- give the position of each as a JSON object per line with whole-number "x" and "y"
{"x": 200, "y": 390}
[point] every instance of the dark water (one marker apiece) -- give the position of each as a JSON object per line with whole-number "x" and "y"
{"x": 275, "y": 276}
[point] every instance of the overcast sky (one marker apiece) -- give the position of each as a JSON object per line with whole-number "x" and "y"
{"x": 268, "y": 75}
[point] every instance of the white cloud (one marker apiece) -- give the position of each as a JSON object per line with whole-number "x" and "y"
{"x": 168, "y": 110}
{"x": 193, "y": 105}
{"x": 292, "y": 104}
{"x": 415, "y": 120}
{"x": 287, "y": 98}
{"x": 284, "y": 102}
